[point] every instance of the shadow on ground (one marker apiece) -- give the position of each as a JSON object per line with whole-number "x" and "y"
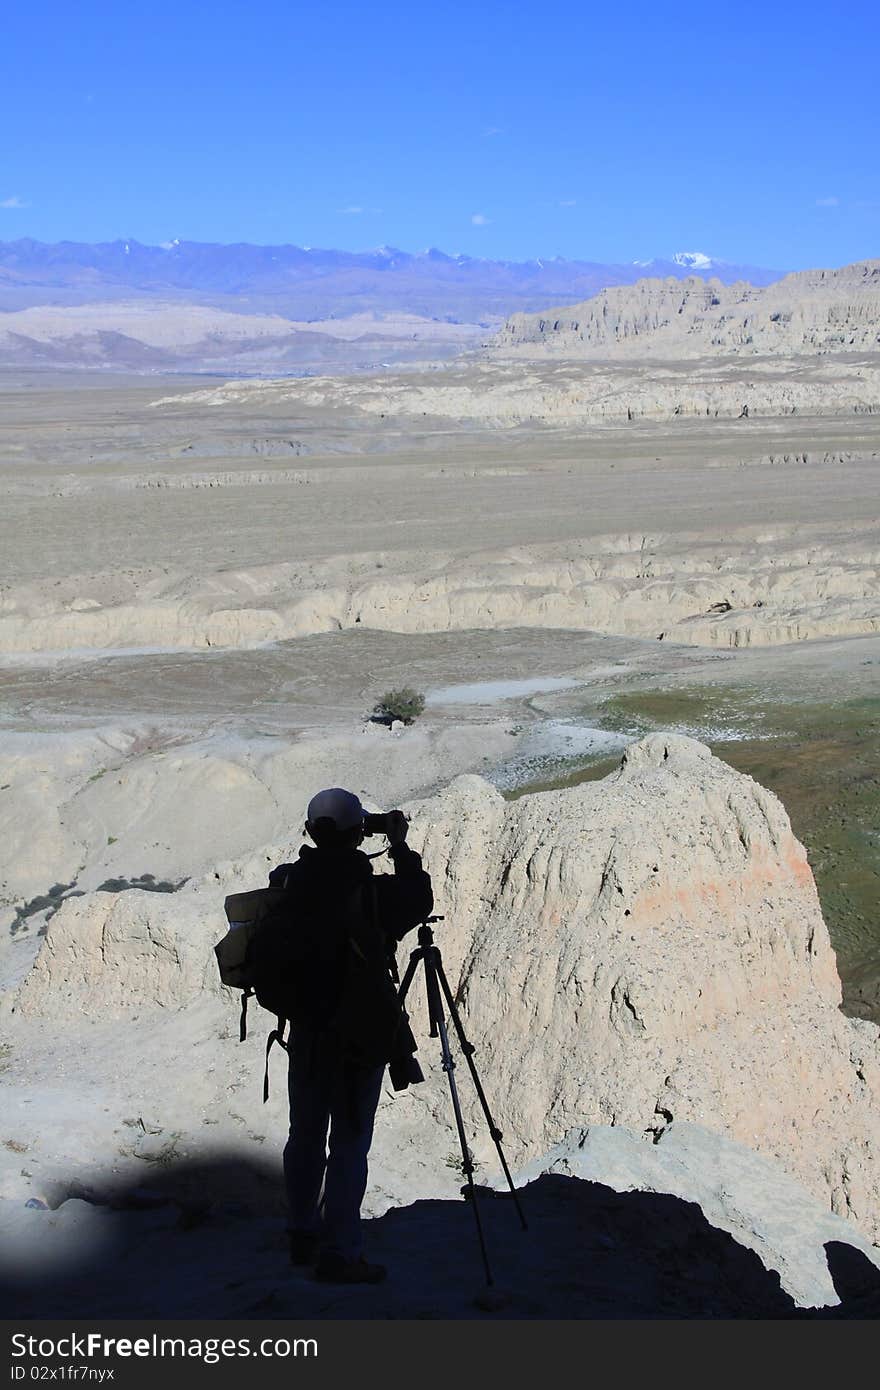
{"x": 207, "y": 1240}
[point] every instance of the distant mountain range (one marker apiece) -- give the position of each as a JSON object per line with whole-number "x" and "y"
{"x": 304, "y": 284}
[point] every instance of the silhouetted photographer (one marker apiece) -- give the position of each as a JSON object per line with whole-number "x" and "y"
{"x": 347, "y": 1023}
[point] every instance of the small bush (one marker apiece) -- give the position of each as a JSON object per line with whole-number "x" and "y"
{"x": 406, "y": 705}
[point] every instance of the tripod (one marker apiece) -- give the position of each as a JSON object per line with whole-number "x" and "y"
{"x": 437, "y": 987}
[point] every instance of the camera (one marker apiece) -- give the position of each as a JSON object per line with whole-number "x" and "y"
{"x": 376, "y": 823}
{"x": 404, "y": 1070}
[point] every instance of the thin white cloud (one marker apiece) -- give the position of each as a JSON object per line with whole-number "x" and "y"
{"x": 827, "y": 202}
{"x": 480, "y": 219}
{"x": 567, "y": 202}
{"x": 353, "y": 211}
{"x": 14, "y": 202}
{"x": 491, "y": 130}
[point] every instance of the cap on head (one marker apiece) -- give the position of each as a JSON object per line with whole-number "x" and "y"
{"x": 341, "y": 807}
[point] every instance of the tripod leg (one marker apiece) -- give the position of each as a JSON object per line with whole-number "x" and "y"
{"x": 428, "y": 953}
{"x": 467, "y": 1163}
{"x": 468, "y": 1051}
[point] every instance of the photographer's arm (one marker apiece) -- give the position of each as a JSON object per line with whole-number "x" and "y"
{"x": 406, "y": 899}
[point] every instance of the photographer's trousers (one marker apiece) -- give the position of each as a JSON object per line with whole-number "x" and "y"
{"x": 328, "y": 1092}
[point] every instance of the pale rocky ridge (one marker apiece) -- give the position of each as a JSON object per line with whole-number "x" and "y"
{"x": 501, "y": 394}
{"x": 115, "y": 802}
{"x": 639, "y": 952}
{"x": 739, "y": 1191}
{"x": 454, "y": 527}
{"x": 203, "y": 478}
{"x": 158, "y": 336}
{"x": 809, "y": 312}
{"x": 753, "y": 586}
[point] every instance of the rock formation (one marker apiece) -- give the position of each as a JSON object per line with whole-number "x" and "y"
{"x": 540, "y": 387}
{"x": 812, "y": 312}
{"x": 737, "y": 1190}
{"x": 755, "y": 585}
{"x": 634, "y": 952}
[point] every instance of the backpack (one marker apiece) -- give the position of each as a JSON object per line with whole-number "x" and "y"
{"x": 264, "y": 956}
{"x": 280, "y": 948}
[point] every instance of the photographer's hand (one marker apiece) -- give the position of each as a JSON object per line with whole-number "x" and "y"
{"x": 397, "y": 827}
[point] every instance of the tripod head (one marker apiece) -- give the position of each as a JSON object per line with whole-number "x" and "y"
{"x": 426, "y": 936}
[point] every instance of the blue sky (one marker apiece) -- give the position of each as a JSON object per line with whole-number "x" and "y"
{"x": 748, "y": 131}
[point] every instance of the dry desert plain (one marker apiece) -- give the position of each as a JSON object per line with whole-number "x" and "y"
{"x": 206, "y": 587}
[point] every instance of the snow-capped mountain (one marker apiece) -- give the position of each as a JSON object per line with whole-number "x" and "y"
{"x": 309, "y": 283}
{"x": 694, "y": 260}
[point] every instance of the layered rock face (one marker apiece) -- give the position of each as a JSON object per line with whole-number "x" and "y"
{"x": 756, "y": 585}
{"x": 637, "y": 951}
{"x": 816, "y": 311}
{"x": 540, "y": 379}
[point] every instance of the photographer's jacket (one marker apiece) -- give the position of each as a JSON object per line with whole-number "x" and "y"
{"x": 356, "y": 918}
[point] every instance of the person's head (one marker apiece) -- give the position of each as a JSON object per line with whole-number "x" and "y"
{"x": 335, "y": 819}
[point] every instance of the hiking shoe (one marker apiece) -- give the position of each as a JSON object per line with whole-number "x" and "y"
{"x": 333, "y": 1269}
{"x": 303, "y": 1247}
